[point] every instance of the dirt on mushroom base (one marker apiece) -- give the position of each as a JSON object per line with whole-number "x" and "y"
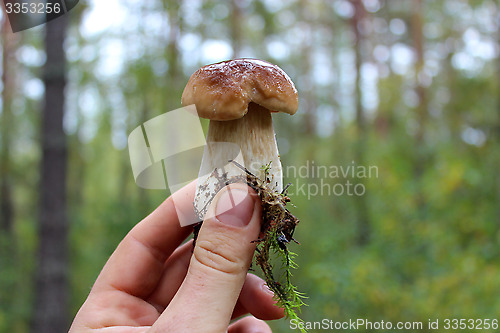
{"x": 277, "y": 228}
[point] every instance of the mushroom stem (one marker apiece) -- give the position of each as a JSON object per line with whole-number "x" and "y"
{"x": 250, "y": 141}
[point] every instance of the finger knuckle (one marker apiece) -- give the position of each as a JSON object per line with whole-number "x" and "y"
{"x": 213, "y": 256}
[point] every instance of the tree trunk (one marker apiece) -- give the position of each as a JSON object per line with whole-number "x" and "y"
{"x": 308, "y": 101}
{"x": 51, "y": 303}
{"x": 420, "y": 160}
{"x": 363, "y": 220}
{"x": 173, "y": 9}
{"x": 236, "y": 28}
{"x": 9, "y": 41}
{"x": 496, "y": 142}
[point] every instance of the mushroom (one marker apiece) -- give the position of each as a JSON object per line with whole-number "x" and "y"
{"x": 238, "y": 97}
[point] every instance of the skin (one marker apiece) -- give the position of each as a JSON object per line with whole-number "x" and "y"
{"x": 152, "y": 283}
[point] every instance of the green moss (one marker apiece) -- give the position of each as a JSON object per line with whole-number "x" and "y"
{"x": 277, "y": 228}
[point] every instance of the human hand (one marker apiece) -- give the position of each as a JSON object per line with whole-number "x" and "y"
{"x": 151, "y": 283}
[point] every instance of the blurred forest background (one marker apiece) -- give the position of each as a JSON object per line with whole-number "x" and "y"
{"x": 409, "y": 86}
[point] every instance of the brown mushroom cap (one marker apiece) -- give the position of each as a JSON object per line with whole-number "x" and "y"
{"x": 223, "y": 91}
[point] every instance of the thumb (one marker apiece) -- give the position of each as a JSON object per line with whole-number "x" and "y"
{"x": 219, "y": 265}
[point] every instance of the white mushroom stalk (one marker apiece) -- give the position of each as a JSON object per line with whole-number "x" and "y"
{"x": 254, "y": 135}
{"x": 254, "y": 148}
{"x": 238, "y": 96}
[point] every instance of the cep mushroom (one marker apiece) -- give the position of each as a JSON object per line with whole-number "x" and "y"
{"x": 238, "y": 97}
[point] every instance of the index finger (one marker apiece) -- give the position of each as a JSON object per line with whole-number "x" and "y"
{"x": 137, "y": 264}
